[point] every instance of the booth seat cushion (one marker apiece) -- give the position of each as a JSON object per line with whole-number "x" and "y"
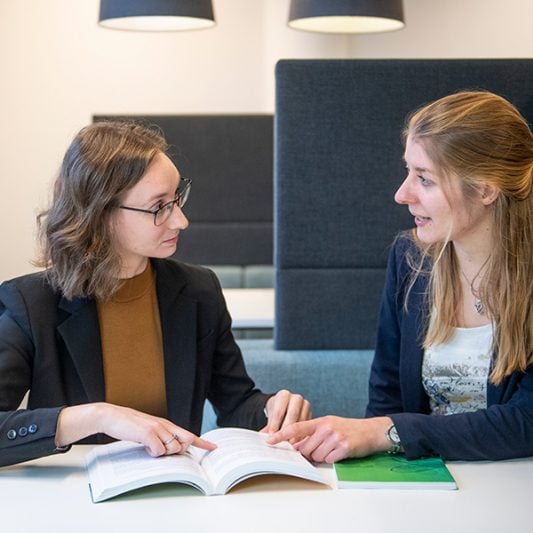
{"x": 229, "y": 276}
{"x": 258, "y": 276}
{"x": 334, "y": 381}
{"x": 244, "y": 276}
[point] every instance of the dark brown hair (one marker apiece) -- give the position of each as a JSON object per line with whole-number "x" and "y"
{"x": 104, "y": 160}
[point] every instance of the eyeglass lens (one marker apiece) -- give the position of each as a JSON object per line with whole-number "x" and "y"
{"x": 162, "y": 214}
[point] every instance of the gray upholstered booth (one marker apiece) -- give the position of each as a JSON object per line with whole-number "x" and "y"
{"x": 338, "y": 161}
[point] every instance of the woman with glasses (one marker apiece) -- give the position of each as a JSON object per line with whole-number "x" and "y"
{"x": 453, "y": 369}
{"x": 112, "y": 339}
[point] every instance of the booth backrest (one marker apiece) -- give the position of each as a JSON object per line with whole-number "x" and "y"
{"x": 338, "y": 161}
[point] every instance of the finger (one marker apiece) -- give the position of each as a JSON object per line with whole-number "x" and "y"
{"x": 294, "y": 410}
{"x": 173, "y": 445}
{"x": 335, "y": 455}
{"x": 297, "y": 431}
{"x": 204, "y": 444}
{"x": 174, "y": 439}
{"x": 323, "y": 449}
{"x": 299, "y": 410}
{"x": 318, "y": 444}
{"x": 186, "y": 439}
{"x": 306, "y": 413}
{"x": 161, "y": 442}
{"x": 297, "y": 444}
{"x": 277, "y": 407}
{"x": 308, "y": 446}
{"x": 154, "y": 446}
{"x": 180, "y": 444}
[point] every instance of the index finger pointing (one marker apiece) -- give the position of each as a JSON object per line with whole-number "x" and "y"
{"x": 297, "y": 431}
{"x": 204, "y": 444}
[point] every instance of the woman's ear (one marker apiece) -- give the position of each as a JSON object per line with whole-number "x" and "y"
{"x": 489, "y": 193}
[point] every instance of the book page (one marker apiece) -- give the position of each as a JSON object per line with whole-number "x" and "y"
{"x": 121, "y": 466}
{"x": 242, "y": 453}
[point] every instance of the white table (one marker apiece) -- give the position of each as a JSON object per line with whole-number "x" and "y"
{"x": 250, "y": 308}
{"x": 52, "y": 495}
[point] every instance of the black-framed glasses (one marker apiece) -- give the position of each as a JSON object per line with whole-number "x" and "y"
{"x": 162, "y": 213}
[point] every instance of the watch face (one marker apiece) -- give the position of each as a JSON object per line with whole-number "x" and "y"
{"x": 393, "y": 435}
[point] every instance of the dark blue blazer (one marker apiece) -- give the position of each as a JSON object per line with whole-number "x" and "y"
{"x": 51, "y": 347}
{"x": 503, "y": 430}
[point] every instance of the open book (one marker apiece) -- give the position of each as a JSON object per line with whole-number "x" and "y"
{"x": 393, "y": 472}
{"x": 123, "y": 466}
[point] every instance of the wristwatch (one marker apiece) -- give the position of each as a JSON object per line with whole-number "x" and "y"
{"x": 394, "y": 439}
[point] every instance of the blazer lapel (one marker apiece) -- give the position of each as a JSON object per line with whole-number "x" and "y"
{"x": 178, "y": 323}
{"x": 80, "y": 333}
{"x": 414, "y": 397}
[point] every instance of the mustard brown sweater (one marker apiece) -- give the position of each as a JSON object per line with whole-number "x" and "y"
{"x": 132, "y": 346}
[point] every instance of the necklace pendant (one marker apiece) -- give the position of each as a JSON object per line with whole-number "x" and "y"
{"x": 479, "y": 307}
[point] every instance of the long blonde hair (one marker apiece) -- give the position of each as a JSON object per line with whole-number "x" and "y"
{"x": 103, "y": 161}
{"x": 483, "y": 139}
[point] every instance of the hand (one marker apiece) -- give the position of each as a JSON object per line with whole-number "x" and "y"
{"x": 158, "y": 435}
{"x": 332, "y": 438}
{"x": 285, "y": 408}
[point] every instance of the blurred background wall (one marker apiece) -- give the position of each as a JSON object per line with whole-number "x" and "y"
{"x": 58, "y": 68}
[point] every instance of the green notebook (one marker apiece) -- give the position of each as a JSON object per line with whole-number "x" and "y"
{"x": 393, "y": 472}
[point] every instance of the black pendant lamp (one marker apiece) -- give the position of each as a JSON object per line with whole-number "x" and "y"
{"x": 156, "y": 15}
{"x": 346, "y": 16}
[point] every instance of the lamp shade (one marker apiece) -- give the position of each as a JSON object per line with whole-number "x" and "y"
{"x": 346, "y": 16}
{"x": 156, "y": 15}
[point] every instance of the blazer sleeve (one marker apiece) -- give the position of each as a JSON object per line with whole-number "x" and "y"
{"x": 233, "y": 394}
{"x": 501, "y": 431}
{"x": 24, "y": 434}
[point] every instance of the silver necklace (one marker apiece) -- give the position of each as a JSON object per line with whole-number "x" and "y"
{"x": 478, "y": 304}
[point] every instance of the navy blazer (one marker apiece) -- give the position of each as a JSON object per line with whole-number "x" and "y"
{"x": 503, "y": 430}
{"x": 51, "y": 347}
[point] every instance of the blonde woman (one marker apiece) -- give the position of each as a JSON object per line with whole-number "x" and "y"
{"x": 453, "y": 368}
{"x": 113, "y": 339}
